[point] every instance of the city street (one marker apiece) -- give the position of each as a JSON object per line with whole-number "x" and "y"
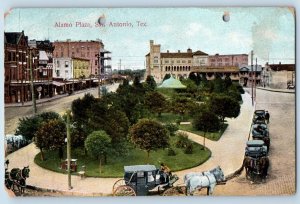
{"x": 281, "y": 179}
{"x": 12, "y": 114}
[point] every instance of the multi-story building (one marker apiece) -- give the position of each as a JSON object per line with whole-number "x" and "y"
{"x": 237, "y": 60}
{"x": 278, "y": 76}
{"x": 181, "y": 64}
{"x": 249, "y": 74}
{"x": 80, "y": 49}
{"x": 19, "y": 60}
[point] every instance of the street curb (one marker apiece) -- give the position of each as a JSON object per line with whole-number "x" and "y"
{"x": 66, "y": 193}
{"x": 273, "y": 90}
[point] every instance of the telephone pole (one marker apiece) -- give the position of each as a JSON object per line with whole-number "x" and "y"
{"x": 31, "y": 60}
{"x": 252, "y": 77}
{"x": 255, "y": 78}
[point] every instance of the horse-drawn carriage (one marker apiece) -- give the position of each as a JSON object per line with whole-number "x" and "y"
{"x": 259, "y": 117}
{"x": 16, "y": 178}
{"x": 261, "y": 132}
{"x": 140, "y": 179}
{"x": 256, "y": 161}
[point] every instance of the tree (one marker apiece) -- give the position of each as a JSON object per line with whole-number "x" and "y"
{"x": 98, "y": 145}
{"x": 167, "y": 76}
{"x": 150, "y": 82}
{"x": 227, "y": 82}
{"x": 28, "y": 126}
{"x": 149, "y": 135}
{"x": 156, "y": 102}
{"x": 81, "y": 108}
{"x": 181, "y": 105}
{"x": 51, "y": 136}
{"x": 206, "y": 121}
{"x": 191, "y": 86}
{"x": 224, "y": 106}
{"x": 195, "y": 77}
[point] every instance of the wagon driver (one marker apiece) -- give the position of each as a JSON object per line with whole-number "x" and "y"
{"x": 166, "y": 171}
{"x": 267, "y": 116}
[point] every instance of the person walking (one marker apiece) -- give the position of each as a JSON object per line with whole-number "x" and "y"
{"x": 267, "y": 117}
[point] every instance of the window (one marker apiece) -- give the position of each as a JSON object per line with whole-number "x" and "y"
{"x": 58, "y": 63}
{"x": 212, "y": 60}
{"x": 166, "y": 61}
{"x": 73, "y": 54}
{"x": 77, "y": 50}
{"x": 96, "y": 62}
{"x": 178, "y": 61}
{"x": 189, "y": 61}
{"x": 66, "y": 63}
{"x": 45, "y": 73}
{"x": 57, "y": 73}
{"x": 183, "y": 61}
{"x": 61, "y": 54}
{"x": 156, "y": 61}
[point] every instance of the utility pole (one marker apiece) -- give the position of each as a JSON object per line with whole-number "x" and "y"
{"x": 31, "y": 60}
{"x": 252, "y": 77}
{"x": 69, "y": 149}
{"x": 255, "y": 78}
{"x": 99, "y": 78}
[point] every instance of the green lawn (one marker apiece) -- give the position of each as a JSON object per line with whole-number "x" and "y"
{"x": 114, "y": 167}
{"x": 215, "y": 136}
{"x": 171, "y": 118}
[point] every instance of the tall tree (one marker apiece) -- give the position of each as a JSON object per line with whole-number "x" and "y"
{"x": 181, "y": 105}
{"x": 224, "y": 106}
{"x": 156, "y": 102}
{"x": 206, "y": 121}
{"x": 149, "y": 135}
{"x": 51, "y": 136}
{"x": 150, "y": 82}
{"x": 98, "y": 145}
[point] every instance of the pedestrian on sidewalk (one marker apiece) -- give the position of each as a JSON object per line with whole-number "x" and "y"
{"x": 267, "y": 117}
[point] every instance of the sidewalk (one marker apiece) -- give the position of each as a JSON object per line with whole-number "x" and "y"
{"x": 292, "y": 91}
{"x": 44, "y": 100}
{"x": 228, "y": 153}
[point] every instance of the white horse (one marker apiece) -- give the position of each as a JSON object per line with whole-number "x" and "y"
{"x": 208, "y": 179}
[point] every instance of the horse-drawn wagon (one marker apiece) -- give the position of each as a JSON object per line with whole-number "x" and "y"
{"x": 140, "y": 179}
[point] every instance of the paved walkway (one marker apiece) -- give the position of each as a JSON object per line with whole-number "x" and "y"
{"x": 227, "y": 152}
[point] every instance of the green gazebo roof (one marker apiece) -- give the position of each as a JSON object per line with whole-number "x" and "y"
{"x": 172, "y": 83}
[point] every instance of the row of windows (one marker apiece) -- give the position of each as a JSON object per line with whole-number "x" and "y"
{"x": 177, "y": 68}
{"x": 226, "y": 59}
{"x": 177, "y": 61}
{"x": 73, "y": 54}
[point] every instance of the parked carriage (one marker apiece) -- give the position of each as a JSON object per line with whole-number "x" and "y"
{"x": 140, "y": 179}
{"x": 15, "y": 142}
{"x": 259, "y": 117}
{"x": 261, "y": 132}
{"x": 256, "y": 161}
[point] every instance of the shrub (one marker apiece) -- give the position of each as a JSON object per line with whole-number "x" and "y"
{"x": 189, "y": 148}
{"x": 171, "y": 152}
{"x": 172, "y": 128}
{"x": 182, "y": 141}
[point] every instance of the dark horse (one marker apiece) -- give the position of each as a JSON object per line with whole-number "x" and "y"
{"x": 16, "y": 178}
{"x": 256, "y": 167}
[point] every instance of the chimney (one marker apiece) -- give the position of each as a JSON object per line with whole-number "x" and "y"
{"x": 279, "y": 63}
{"x": 189, "y": 50}
{"x": 151, "y": 42}
{"x": 168, "y": 51}
{"x": 178, "y": 51}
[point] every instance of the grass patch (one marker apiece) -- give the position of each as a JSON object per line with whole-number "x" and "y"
{"x": 215, "y": 136}
{"x": 115, "y": 165}
{"x": 171, "y": 118}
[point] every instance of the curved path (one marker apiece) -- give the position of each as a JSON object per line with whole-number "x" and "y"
{"x": 228, "y": 152}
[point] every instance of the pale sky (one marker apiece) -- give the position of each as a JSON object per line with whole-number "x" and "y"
{"x": 269, "y": 31}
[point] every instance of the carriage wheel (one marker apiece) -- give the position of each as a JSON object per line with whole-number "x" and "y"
{"x": 120, "y": 182}
{"x": 124, "y": 191}
{"x": 175, "y": 191}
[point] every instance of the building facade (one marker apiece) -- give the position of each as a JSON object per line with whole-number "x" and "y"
{"x": 278, "y": 76}
{"x": 19, "y": 60}
{"x": 80, "y": 49}
{"x": 181, "y": 64}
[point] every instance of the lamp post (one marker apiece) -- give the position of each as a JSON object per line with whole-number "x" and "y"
{"x": 69, "y": 149}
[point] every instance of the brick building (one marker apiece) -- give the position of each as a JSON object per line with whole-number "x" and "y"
{"x": 19, "y": 59}
{"x": 80, "y": 49}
